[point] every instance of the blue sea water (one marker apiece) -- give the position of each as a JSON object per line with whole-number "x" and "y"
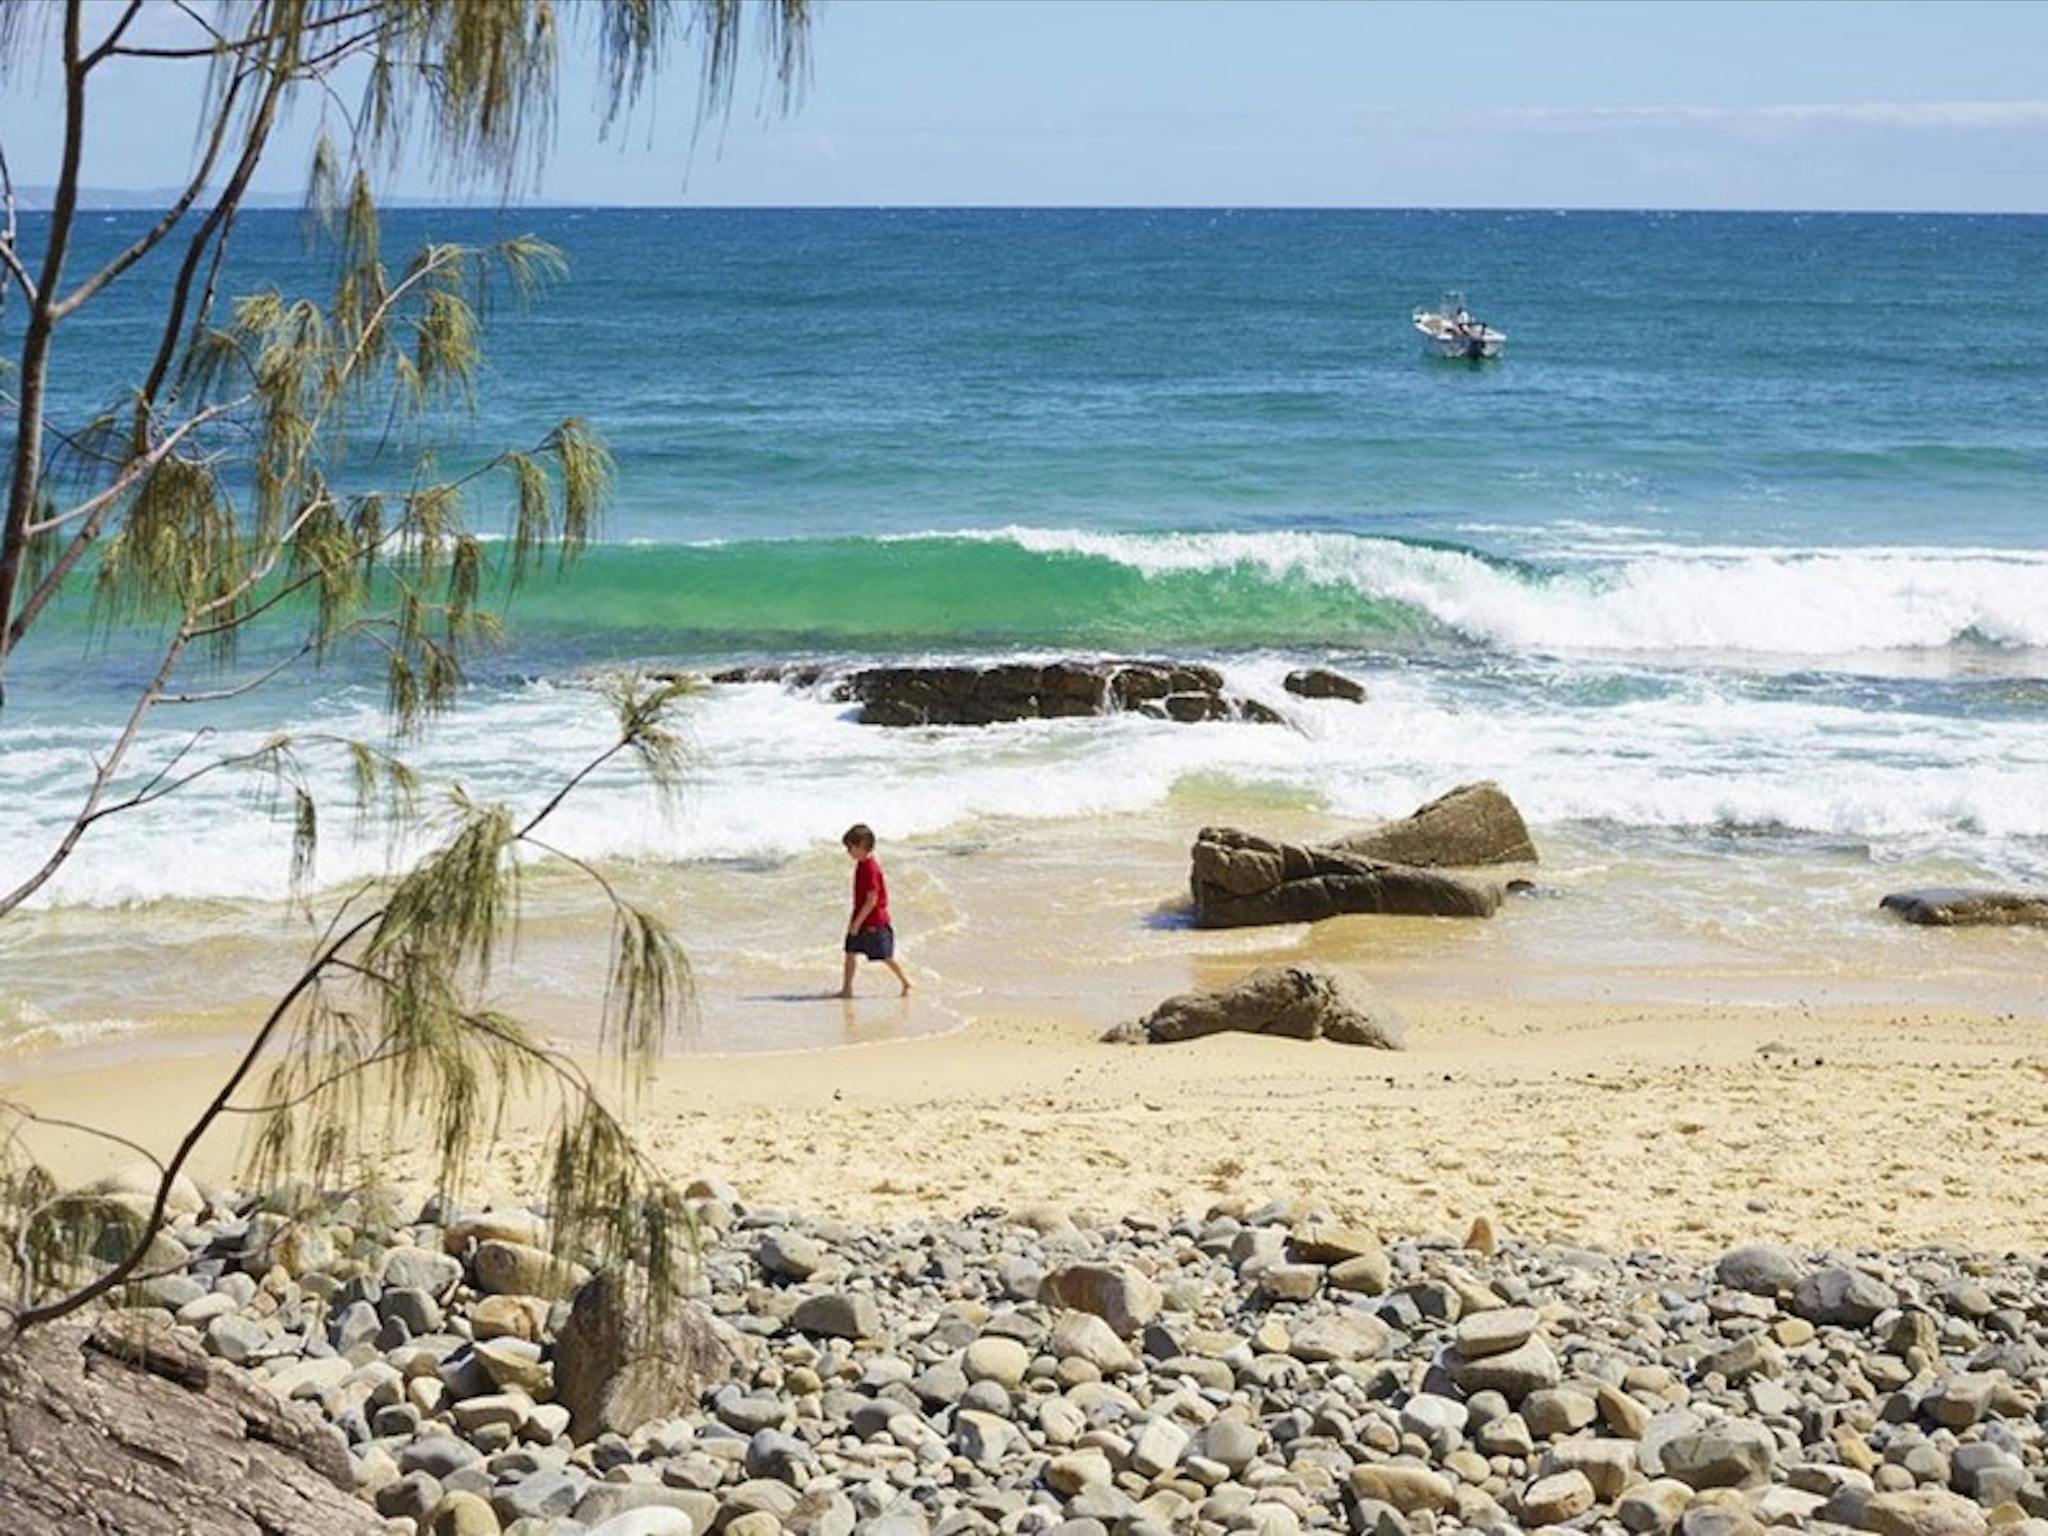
{"x": 1746, "y": 531}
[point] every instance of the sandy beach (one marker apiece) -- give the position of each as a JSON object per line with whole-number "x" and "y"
{"x": 1682, "y": 1128}
{"x": 1471, "y": 918}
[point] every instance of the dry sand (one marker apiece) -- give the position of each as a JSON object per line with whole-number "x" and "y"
{"x": 1683, "y": 1128}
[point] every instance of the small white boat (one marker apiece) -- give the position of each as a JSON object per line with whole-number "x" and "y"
{"x": 1452, "y": 331}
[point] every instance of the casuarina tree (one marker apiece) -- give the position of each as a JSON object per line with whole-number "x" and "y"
{"x": 265, "y": 494}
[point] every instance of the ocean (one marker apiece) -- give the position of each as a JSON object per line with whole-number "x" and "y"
{"x": 1734, "y": 572}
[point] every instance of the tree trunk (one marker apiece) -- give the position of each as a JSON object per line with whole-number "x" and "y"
{"x": 25, "y": 483}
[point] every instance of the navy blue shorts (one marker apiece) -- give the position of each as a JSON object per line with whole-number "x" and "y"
{"x": 875, "y": 943}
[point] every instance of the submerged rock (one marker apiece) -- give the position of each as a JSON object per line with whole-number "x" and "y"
{"x": 1293, "y": 1001}
{"x": 1322, "y": 683}
{"x": 801, "y": 675}
{"x": 1240, "y": 879}
{"x": 1965, "y": 907}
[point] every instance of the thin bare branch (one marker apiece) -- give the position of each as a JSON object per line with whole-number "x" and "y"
{"x": 154, "y": 235}
{"x": 382, "y": 1054}
{"x": 193, "y": 14}
{"x": 103, "y": 776}
{"x": 212, "y": 232}
{"x": 251, "y": 42}
{"x": 171, "y": 764}
{"x": 9, "y": 237}
{"x": 113, "y": 38}
{"x": 98, "y": 1132}
{"x": 248, "y": 684}
{"x": 555, "y": 800}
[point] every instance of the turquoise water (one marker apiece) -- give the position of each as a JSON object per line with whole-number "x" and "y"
{"x": 1745, "y": 532}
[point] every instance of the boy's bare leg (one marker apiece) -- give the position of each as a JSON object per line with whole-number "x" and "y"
{"x": 846, "y": 981}
{"x": 897, "y": 971}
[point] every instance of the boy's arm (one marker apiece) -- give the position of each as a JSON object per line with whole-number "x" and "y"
{"x": 860, "y": 913}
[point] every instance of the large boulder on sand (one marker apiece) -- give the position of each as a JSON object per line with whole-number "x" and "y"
{"x": 1239, "y": 879}
{"x": 1293, "y": 1001}
{"x": 1963, "y": 907}
{"x": 618, "y": 1365}
{"x": 1471, "y": 825}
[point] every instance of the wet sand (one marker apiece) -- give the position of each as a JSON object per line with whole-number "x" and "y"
{"x": 1082, "y": 920}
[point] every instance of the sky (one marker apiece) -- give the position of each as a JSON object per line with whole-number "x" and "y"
{"x": 1146, "y": 102}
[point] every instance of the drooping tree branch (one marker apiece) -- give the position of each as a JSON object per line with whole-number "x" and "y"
{"x": 416, "y": 951}
{"x": 131, "y": 472}
{"x": 117, "y": 1273}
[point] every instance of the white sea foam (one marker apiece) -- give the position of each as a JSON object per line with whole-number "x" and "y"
{"x": 779, "y": 773}
{"x": 1651, "y": 598}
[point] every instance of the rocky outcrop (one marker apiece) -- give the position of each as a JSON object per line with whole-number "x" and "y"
{"x": 1293, "y": 1001}
{"x": 1240, "y": 880}
{"x": 1963, "y": 907}
{"x": 987, "y": 695}
{"x": 1322, "y": 683}
{"x": 109, "y": 1429}
{"x": 1471, "y": 825}
{"x": 618, "y": 1367}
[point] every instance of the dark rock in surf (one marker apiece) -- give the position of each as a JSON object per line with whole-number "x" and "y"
{"x": 1471, "y": 825}
{"x": 967, "y": 695}
{"x": 1292, "y": 1001}
{"x": 1240, "y": 880}
{"x": 803, "y": 675}
{"x": 1322, "y": 683}
{"x": 961, "y": 694}
{"x": 1961, "y": 907}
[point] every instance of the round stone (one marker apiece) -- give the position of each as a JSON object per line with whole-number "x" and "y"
{"x": 1003, "y": 1361}
{"x": 1552, "y": 1500}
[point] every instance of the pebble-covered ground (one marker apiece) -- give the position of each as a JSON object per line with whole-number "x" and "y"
{"x": 1254, "y": 1369}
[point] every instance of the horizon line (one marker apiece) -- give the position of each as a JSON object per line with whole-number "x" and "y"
{"x": 117, "y": 200}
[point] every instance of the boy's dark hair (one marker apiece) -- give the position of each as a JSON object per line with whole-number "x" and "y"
{"x": 859, "y": 835}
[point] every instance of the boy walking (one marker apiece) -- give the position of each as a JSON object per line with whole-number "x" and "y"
{"x": 868, "y": 932}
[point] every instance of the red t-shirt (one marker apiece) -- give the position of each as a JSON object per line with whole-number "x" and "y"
{"x": 867, "y": 876}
